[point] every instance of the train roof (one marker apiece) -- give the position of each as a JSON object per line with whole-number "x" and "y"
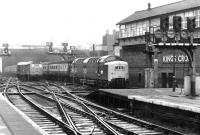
{"x": 24, "y": 63}
{"x": 91, "y": 59}
{"x": 117, "y": 62}
{"x": 78, "y": 60}
{"x": 61, "y": 62}
{"x": 108, "y": 58}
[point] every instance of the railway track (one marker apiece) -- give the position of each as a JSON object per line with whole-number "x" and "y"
{"x": 81, "y": 122}
{"x": 122, "y": 123}
{"x": 49, "y": 123}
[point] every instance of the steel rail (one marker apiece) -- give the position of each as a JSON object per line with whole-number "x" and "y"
{"x": 125, "y": 116}
{"x": 132, "y": 118}
{"x": 75, "y": 109}
{"x": 87, "y": 108}
{"x": 80, "y": 101}
{"x": 64, "y": 115}
{"x": 66, "y": 127}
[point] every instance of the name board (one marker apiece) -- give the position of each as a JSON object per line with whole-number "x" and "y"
{"x": 177, "y": 58}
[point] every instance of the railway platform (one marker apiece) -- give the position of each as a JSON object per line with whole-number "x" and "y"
{"x": 13, "y": 122}
{"x": 158, "y": 96}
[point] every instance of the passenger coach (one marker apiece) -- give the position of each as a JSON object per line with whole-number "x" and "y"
{"x": 59, "y": 71}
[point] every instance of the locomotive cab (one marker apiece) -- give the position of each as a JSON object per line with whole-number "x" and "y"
{"x": 117, "y": 74}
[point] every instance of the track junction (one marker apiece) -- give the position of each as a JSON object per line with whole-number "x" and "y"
{"x": 57, "y": 111}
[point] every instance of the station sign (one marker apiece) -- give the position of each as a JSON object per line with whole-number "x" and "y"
{"x": 178, "y": 58}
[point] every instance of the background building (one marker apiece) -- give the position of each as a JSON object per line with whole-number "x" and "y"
{"x": 107, "y": 46}
{"x": 132, "y": 41}
{"x": 108, "y": 41}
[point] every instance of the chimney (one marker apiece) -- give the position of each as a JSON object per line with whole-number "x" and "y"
{"x": 149, "y": 6}
{"x": 107, "y": 32}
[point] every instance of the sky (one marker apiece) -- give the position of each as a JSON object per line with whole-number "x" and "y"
{"x": 77, "y": 22}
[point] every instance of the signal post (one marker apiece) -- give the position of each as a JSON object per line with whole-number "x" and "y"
{"x": 65, "y": 52}
{"x": 5, "y": 52}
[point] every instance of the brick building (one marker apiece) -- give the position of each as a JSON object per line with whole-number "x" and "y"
{"x": 109, "y": 40}
{"x": 132, "y": 41}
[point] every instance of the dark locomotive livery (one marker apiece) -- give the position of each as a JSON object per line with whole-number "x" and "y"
{"x": 105, "y": 72}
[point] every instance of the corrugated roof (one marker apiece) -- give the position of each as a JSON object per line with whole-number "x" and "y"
{"x": 165, "y": 9}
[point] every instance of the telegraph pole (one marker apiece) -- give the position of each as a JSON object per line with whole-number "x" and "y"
{"x": 70, "y": 55}
{"x": 193, "y": 75}
{"x": 191, "y": 28}
{"x": 5, "y": 52}
{"x": 177, "y": 28}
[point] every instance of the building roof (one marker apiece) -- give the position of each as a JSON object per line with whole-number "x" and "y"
{"x": 165, "y": 9}
{"x": 24, "y": 63}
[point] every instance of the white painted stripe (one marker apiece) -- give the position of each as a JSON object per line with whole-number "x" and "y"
{"x": 164, "y": 103}
{"x": 195, "y": 44}
{"x": 175, "y": 44}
